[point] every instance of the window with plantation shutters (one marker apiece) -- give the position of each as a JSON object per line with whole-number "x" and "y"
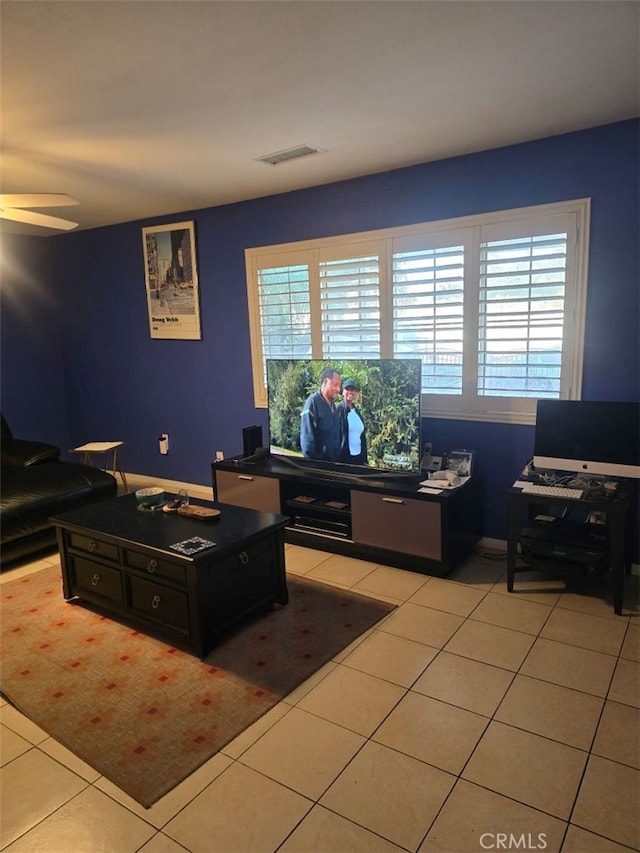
{"x": 493, "y": 305}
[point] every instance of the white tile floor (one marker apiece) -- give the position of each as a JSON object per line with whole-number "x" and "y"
{"x": 466, "y": 713}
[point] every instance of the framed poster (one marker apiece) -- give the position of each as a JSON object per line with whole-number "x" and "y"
{"x": 171, "y": 277}
{"x": 460, "y": 461}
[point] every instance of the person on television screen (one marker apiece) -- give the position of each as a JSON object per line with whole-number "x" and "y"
{"x": 354, "y": 434}
{"x": 320, "y": 432}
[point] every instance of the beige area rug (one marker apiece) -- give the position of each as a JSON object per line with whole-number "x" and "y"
{"x": 144, "y": 714}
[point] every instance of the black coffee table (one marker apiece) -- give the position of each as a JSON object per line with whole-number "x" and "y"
{"x": 119, "y": 560}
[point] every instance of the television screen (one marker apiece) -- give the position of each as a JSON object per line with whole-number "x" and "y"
{"x": 363, "y": 413}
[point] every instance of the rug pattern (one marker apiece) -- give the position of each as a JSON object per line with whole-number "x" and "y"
{"x": 145, "y": 714}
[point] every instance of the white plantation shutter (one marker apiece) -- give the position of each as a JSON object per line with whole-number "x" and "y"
{"x": 494, "y": 306}
{"x": 428, "y": 313}
{"x": 285, "y": 311}
{"x": 521, "y": 316}
{"x": 350, "y": 306}
{"x": 280, "y": 312}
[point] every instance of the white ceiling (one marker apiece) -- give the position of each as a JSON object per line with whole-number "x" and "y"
{"x": 140, "y": 108}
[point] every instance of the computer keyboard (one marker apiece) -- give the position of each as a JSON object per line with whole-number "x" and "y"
{"x": 552, "y": 491}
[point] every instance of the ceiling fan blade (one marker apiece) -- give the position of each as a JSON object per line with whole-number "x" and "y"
{"x": 37, "y": 200}
{"x": 31, "y": 218}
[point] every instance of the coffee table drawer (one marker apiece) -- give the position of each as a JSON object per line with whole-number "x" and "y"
{"x": 157, "y": 567}
{"x": 158, "y": 602}
{"x": 96, "y": 579}
{"x": 93, "y": 546}
{"x": 244, "y": 559}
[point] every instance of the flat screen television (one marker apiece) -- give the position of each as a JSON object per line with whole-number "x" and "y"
{"x": 589, "y": 437}
{"x": 387, "y": 397}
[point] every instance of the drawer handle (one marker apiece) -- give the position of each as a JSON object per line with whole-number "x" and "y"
{"x": 393, "y": 500}
{"x": 245, "y": 477}
{"x": 244, "y": 558}
{"x": 155, "y": 602}
{"x": 153, "y": 565}
{"x": 93, "y": 546}
{"x": 95, "y": 580}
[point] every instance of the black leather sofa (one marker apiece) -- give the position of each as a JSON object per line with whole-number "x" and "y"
{"x": 35, "y": 485}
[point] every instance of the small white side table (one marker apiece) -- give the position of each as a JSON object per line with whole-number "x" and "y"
{"x": 109, "y": 448}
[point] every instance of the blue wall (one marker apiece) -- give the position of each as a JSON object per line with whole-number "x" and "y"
{"x": 118, "y": 383}
{"x": 34, "y": 395}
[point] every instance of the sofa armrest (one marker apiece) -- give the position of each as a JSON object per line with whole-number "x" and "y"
{"x": 17, "y": 451}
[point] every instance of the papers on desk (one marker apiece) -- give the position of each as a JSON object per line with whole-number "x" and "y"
{"x": 434, "y": 487}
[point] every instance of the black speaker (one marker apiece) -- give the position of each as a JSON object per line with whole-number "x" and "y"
{"x": 251, "y": 440}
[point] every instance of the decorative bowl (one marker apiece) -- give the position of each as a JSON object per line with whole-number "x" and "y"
{"x": 152, "y": 496}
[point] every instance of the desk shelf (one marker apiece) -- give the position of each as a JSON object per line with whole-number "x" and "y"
{"x": 577, "y": 548}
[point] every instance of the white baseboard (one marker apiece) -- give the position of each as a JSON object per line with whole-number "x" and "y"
{"x": 142, "y": 481}
{"x": 493, "y": 544}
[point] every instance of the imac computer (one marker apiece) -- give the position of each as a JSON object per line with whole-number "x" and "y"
{"x": 588, "y": 437}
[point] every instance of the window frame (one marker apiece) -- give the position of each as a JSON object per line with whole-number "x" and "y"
{"x": 475, "y": 229}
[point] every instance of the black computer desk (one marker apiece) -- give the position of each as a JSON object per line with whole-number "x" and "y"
{"x": 523, "y": 505}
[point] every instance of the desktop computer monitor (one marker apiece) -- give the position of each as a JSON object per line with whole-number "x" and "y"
{"x": 589, "y": 437}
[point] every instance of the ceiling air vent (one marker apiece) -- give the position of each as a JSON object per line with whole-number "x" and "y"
{"x": 290, "y": 154}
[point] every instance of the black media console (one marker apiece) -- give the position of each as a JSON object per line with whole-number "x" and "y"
{"x": 379, "y": 517}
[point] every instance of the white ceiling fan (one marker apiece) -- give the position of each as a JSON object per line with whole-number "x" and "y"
{"x": 13, "y": 206}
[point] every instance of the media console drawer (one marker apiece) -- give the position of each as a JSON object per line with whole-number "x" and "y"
{"x": 397, "y": 524}
{"x": 248, "y": 490}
